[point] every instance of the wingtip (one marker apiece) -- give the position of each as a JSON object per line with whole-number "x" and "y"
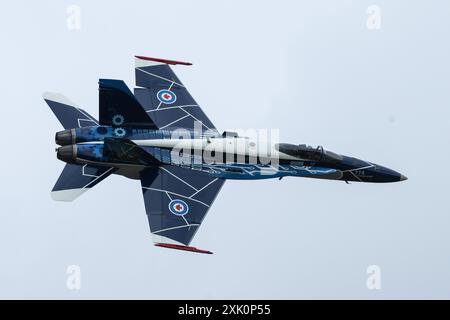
{"x": 182, "y": 247}
{"x": 163, "y": 61}
{"x": 57, "y": 97}
{"x": 47, "y": 95}
{"x": 67, "y": 195}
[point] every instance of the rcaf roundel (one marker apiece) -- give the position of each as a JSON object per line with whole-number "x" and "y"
{"x": 178, "y": 207}
{"x": 166, "y": 96}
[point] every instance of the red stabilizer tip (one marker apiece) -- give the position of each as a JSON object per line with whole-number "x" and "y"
{"x": 184, "y": 248}
{"x": 164, "y": 60}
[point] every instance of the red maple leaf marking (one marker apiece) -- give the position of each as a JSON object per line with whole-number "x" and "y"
{"x": 166, "y": 96}
{"x": 178, "y": 207}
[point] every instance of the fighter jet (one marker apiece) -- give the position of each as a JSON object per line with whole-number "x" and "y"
{"x": 160, "y": 136}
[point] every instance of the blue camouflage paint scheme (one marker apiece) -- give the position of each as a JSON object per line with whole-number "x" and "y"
{"x": 91, "y": 152}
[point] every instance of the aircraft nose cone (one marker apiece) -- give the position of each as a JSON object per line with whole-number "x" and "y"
{"x": 383, "y": 174}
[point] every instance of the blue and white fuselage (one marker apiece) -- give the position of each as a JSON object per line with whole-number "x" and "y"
{"x": 226, "y": 157}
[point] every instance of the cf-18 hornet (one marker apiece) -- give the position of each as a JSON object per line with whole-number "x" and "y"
{"x": 160, "y": 136}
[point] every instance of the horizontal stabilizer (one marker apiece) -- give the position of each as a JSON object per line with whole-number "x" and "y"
{"x": 67, "y": 112}
{"x": 76, "y": 179}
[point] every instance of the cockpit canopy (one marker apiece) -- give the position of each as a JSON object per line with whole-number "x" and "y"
{"x": 304, "y": 152}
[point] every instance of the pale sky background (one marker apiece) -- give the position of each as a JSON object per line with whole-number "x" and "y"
{"x": 309, "y": 68}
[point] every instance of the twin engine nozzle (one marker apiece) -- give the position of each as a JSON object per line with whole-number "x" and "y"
{"x": 65, "y": 137}
{"x": 67, "y": 153}
{"x": 68, "y": 150}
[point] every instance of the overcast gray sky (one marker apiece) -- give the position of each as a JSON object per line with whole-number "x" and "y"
{"x": 313, "y": 70}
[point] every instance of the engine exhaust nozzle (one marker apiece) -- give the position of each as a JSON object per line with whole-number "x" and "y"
{"x": 65, "y": 137}
{"x": 67, "y": 153}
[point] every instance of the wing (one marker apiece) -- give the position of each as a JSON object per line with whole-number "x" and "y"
{"x": 76, "y": 179}
{"x": 67, "y": 112}
{"x": 165, "y": 99}
{"x": 176, "y": 201}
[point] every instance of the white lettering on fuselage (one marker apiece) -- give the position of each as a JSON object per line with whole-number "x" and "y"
{"x": 229, "y": 146}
